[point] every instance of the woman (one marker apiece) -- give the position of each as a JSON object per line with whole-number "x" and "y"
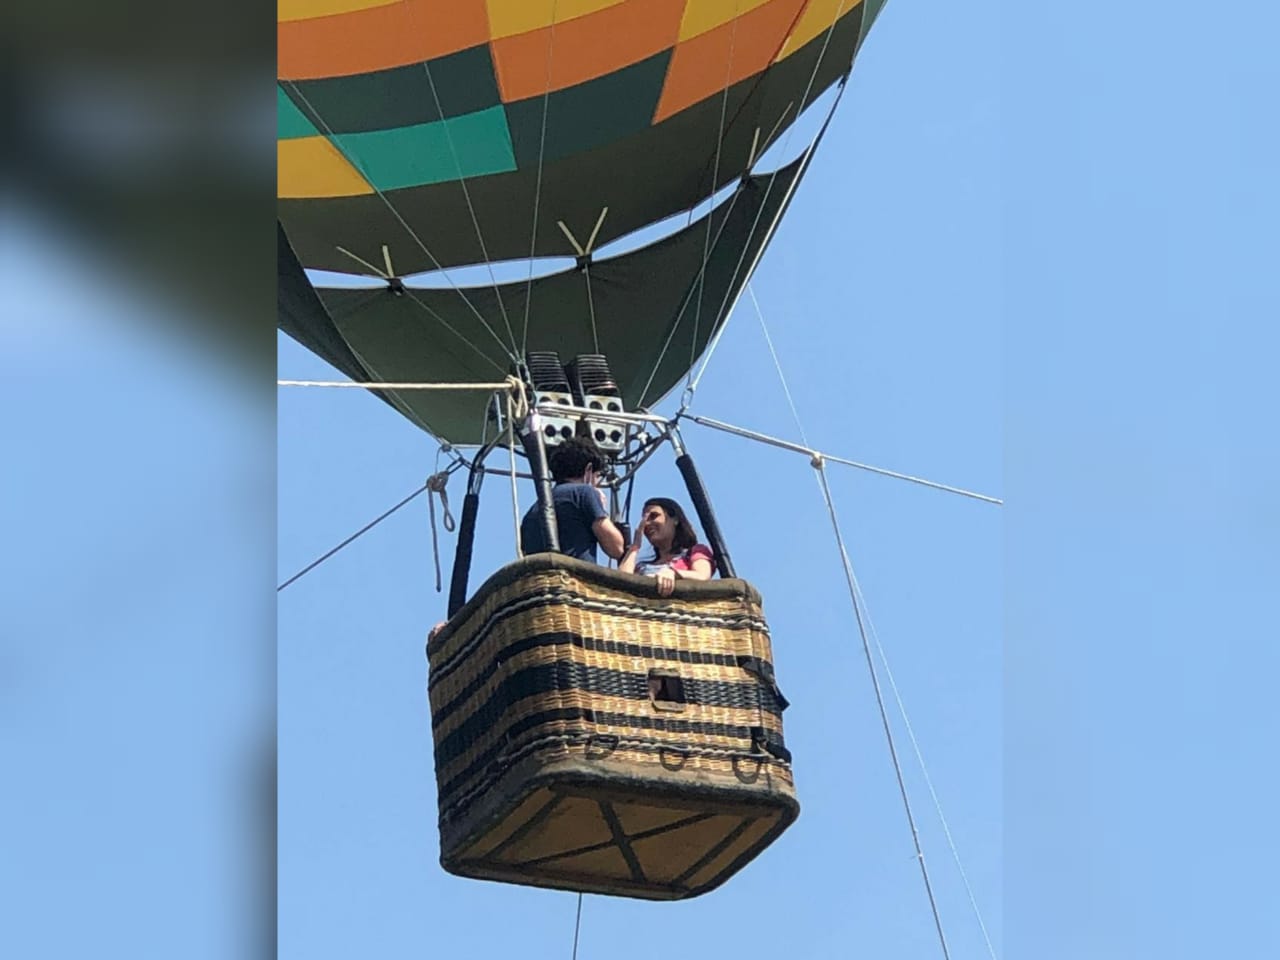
{"x": 677, "y": 554}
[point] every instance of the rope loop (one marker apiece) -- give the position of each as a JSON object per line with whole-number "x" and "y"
{"x": 436, "y": 485}
{"x": 519, "y": 402}
{"x": 686, "y": 398}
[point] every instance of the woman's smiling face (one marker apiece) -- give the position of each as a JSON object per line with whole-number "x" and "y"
{"x": 659, "y": 528}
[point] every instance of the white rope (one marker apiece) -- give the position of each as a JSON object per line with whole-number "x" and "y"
{"x": 884, "y": 659}
{"x": 511, "y": 454}
{"x": 462, "y": 180}
{"x": 436, "y": 487}
{"x": 691, "y": 382}
{"x": 797, "y": 448}
{"x": 711, "y": 189}
{"x": 777, "y": 364}
{"x": 591, "y": 306}
{"x": 505, "y": 385}
{"x": 537, "y": 189}
{"x": 448, "y": 326}
{"x": 915, "y": 746}
{"x": 884, "y": 716}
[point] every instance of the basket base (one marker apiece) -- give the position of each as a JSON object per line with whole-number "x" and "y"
{"x": 572, "y": 829}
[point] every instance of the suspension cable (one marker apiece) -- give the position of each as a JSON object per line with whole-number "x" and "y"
{"x": 715, "y": 176}
{"x": 333, "y": 139}
{"x": 591, "y": 306}
{"x": 690, "y": 383}
{"x": 777, "y": 364}
{"x": 537, "y": 189}
{"x": 462, "y": 180}
{"x": 884, "y": 715}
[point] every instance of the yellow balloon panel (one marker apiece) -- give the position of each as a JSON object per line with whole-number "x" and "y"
{"x": 507, "y": 18}
{"x": 703, "y": 15}
{"x": 313, "y": 167}
{"x": 818, "y": 16}
{"x": 287, "y": 10}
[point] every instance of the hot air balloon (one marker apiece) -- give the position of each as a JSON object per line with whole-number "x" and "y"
{"x": 589, "y": 735}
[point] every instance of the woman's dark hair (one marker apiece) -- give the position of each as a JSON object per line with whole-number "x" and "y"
{"x": 569, "y": 460}
{"x": 685, "y": 536}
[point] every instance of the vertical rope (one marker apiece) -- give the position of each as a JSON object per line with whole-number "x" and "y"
{"x": 511, "y": 454}
{"x": 537, "y": 189}
{"x": 577, "y": 925}
{"x": 715, "y": 175}
{"x": 591, "y": 306}
{"x": 884, "y": 715}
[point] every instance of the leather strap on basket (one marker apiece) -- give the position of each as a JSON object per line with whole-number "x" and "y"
{"x": 763, "y": 671}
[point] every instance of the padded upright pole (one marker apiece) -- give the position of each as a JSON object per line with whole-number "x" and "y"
{"x": 466, "y": 538}
{"x": 536, "y": 450}
{"x": 707, "y": 516}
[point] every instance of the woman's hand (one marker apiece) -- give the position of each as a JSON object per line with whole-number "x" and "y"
{"x": 666, "y": 581}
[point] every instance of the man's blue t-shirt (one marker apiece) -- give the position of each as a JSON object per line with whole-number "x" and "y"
{"x": 578, "y": 506}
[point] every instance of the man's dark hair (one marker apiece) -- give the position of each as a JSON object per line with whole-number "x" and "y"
{"x": 569, "y": 460}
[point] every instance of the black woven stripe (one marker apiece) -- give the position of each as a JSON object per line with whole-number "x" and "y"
{"x": 565, "y": 638}
{"x": 590, "y": 720}
{"x": 567, "y": 675}
{"x": 560, "y": 596}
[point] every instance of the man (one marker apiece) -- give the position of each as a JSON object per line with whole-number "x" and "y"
{"x": 581, "y": 514}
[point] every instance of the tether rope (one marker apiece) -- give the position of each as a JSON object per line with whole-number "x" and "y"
{"x": 577, "y": 925}
{"x": 884, "y": 659}
{"x": 915, "y": 746}
{"x": 884, "y": 715}
{"x": 807, "y": 451}
{"x": 363, "y": 530}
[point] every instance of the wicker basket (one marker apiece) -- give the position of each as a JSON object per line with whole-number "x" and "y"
{"x": 590, "y": 735}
